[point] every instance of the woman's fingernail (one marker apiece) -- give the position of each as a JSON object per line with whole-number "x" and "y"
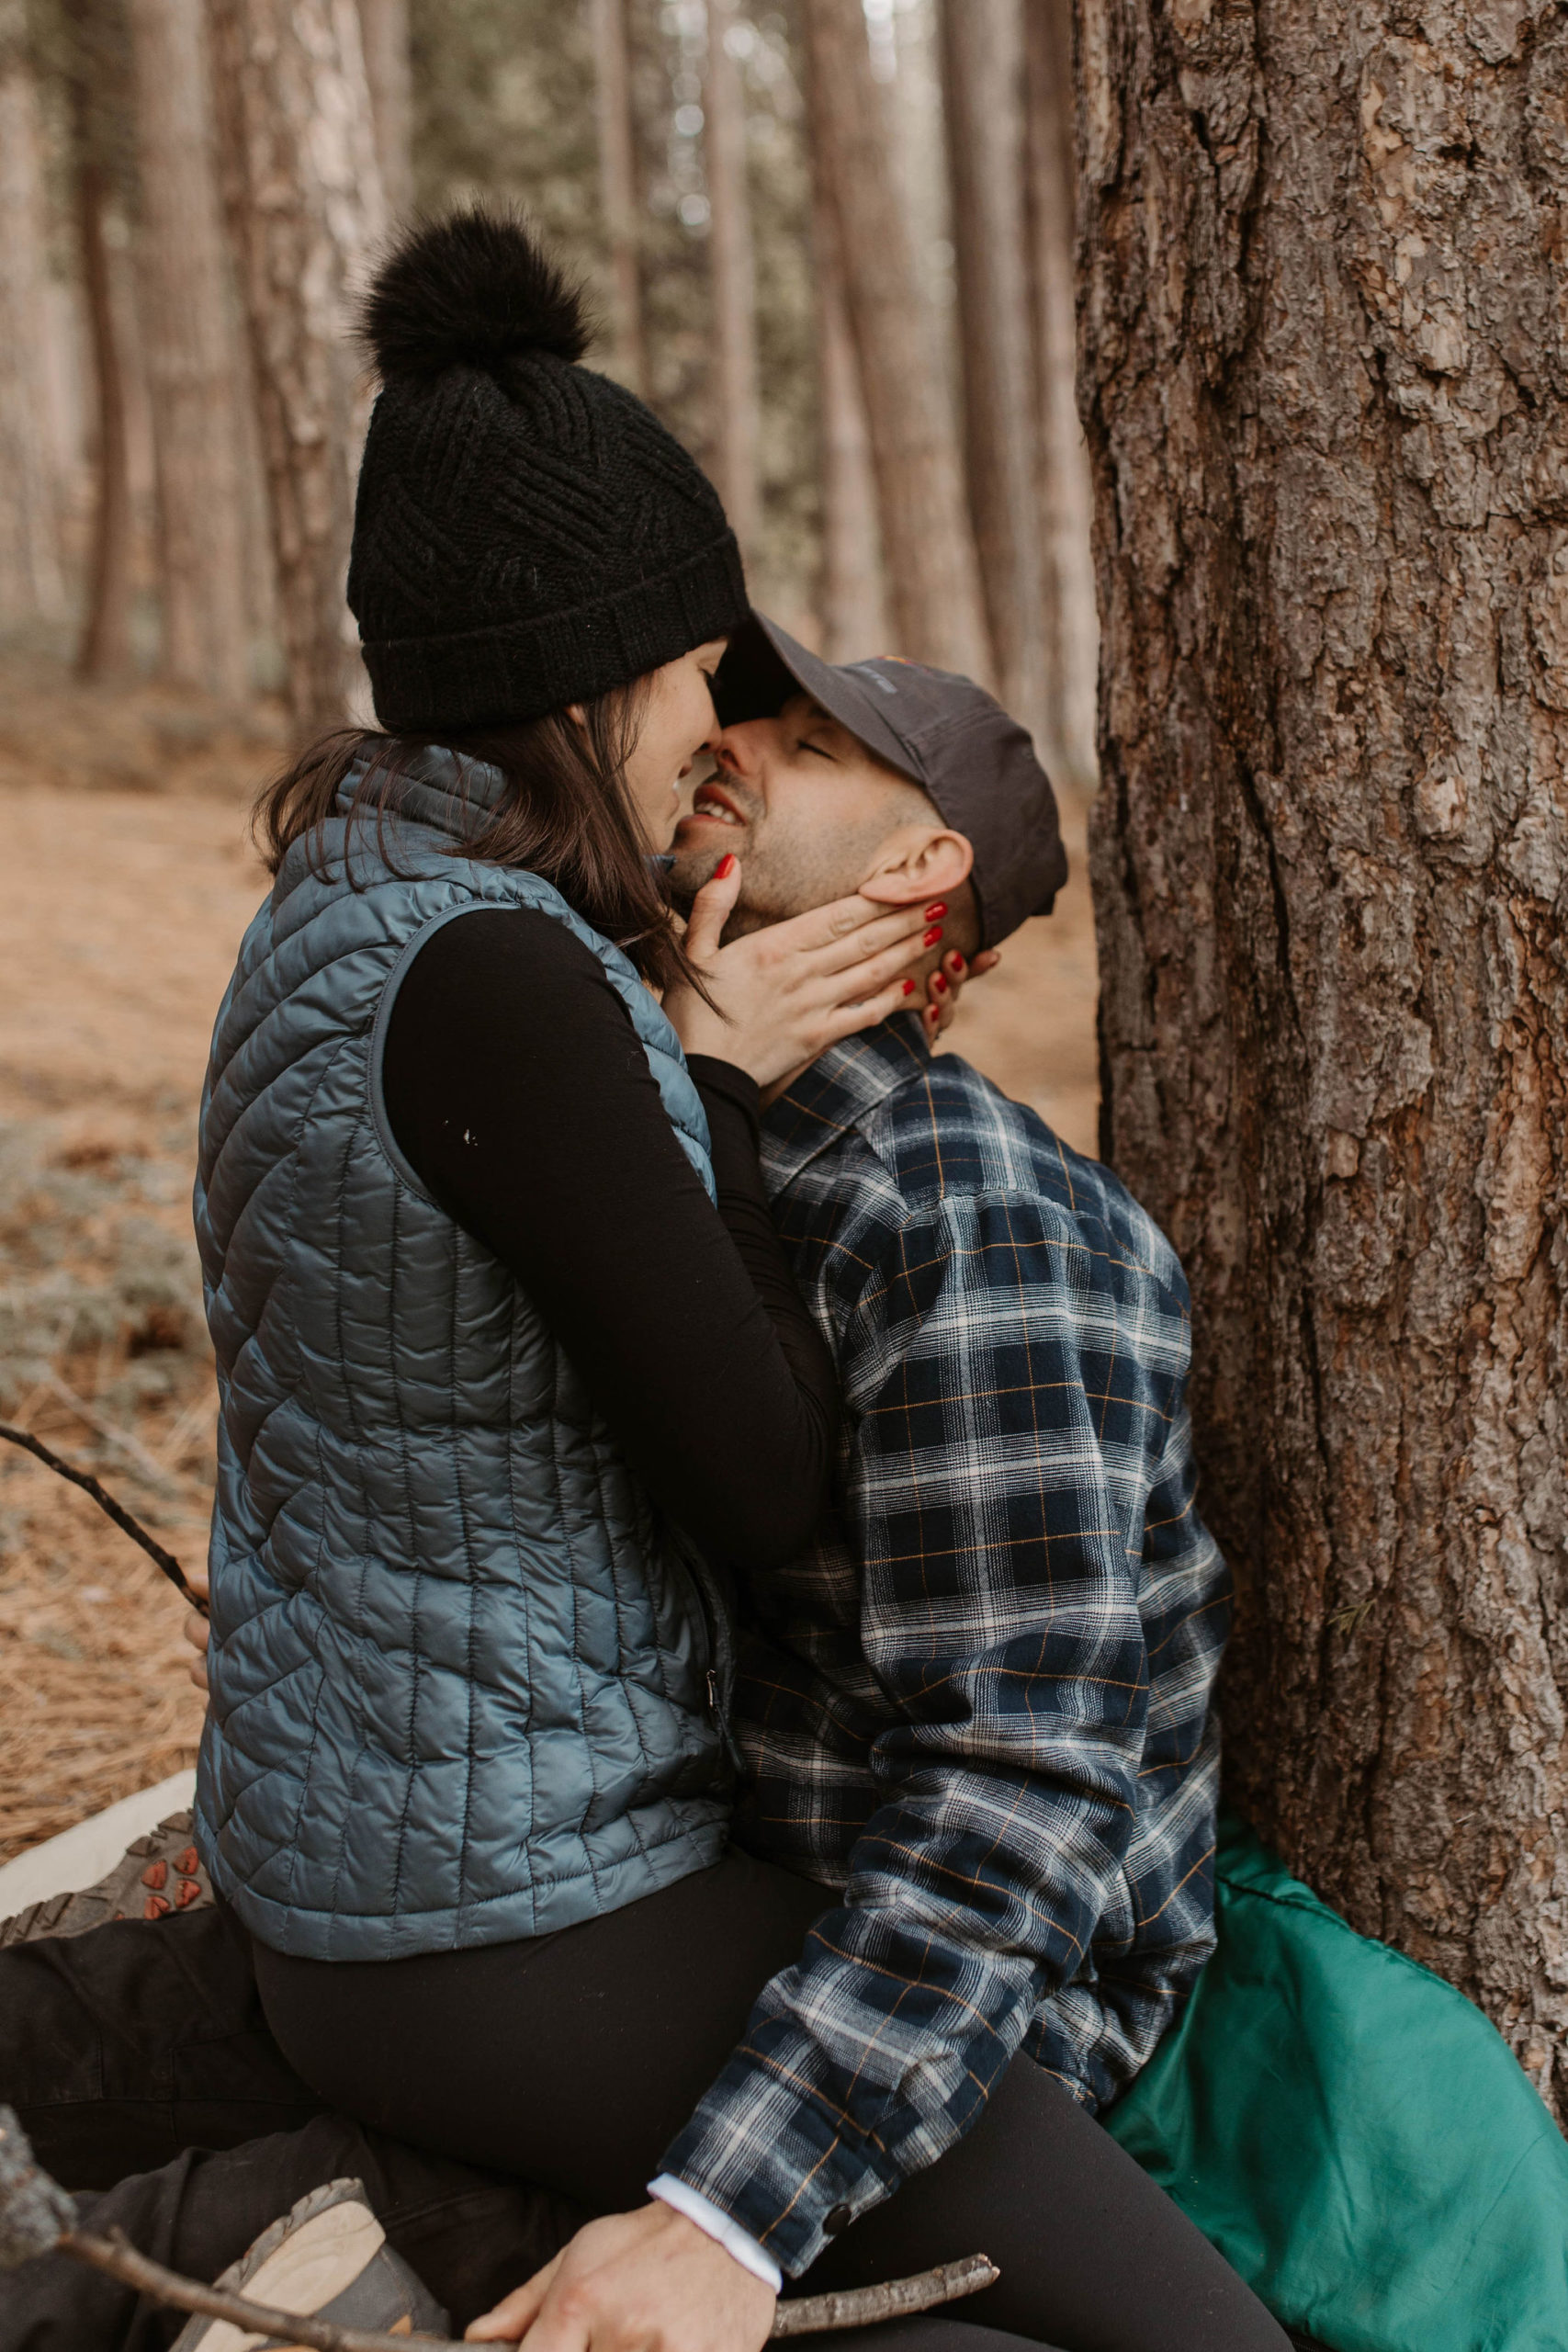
{"x": 939, "y": 908}
{"x": 723, "y": 867}
{"x": 938, "y": 982}
{"x": 909, "y": 987}
{"x": 933, "y": 935}
{"x": 955, "y": 962}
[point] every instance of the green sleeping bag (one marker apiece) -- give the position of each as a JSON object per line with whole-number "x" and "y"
{"x": 1353, "y": 2135}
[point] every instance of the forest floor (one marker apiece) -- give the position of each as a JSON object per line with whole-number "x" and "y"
{"x": 127, "y": 876}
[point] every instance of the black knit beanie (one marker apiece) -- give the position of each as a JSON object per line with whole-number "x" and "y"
{"x": 526, "y": 534}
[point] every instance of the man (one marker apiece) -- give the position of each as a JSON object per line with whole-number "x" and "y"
{"x": 980, "y": 1707}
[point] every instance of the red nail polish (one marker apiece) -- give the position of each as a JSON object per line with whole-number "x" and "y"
{"x": 933, "y": 935}
{"x": 956, "y": 960}
{"x": 721, "y": 868}
{"x": 909, "y": 987}
{"x": 938, "y": 982}
{"x": 939, "y": 908}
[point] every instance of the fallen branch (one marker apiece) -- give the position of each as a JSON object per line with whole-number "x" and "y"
{"x": 105, "y": 1502}
{"x": 37, "y": 2216}
{"x": 895, "y": 2299}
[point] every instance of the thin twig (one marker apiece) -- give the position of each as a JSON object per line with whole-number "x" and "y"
{"x": 807, "y": 2315}
{"x": 131, "y": 1447}
{"x": 105, "y": 1502}
{"x": 894, "y": 2299}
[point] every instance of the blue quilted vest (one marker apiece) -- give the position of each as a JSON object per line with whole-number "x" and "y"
{"x": 458, "y": 1669}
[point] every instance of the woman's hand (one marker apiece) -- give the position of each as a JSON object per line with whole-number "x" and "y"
{"x": 786, "y": 992}
{"x": 649, "y": 2281}
{"x": 945, "y": 985}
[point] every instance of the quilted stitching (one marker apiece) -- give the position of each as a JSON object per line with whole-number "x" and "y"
{"x": 417, "y": 1506}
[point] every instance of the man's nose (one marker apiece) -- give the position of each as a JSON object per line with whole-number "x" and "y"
{"x": 738, "y": 747}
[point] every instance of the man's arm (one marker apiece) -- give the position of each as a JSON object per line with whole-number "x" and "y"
{"x": 1010, "y": 1400}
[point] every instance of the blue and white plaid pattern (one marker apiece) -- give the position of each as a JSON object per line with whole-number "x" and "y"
{"x": 980, "y": 1705}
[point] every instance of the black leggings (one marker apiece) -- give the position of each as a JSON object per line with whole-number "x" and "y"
{"x": 572, "y": 2060}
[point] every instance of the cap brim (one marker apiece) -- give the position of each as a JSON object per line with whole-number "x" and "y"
{"x": 843, "y": 695}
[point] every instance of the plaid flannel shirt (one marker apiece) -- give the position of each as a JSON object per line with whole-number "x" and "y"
{"x": 980, "y": 1706}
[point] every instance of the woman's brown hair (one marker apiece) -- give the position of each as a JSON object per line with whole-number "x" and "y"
{"x": 564, "y": 814}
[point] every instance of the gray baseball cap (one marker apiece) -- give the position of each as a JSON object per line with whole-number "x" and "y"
{"x": 944, "y": 733}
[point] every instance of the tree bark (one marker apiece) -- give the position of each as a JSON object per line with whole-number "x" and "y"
{"x": 617, "y": 181}
{"x": 934, "y": 587}
{"x": 738, "y": 421}
{"x": 982, "y": 68}
{"x": 1071, "y": 625}
{"x": 30, "y": 583}
{"x": 305, "y": 204}
{"x": 384, "y": 31}
{"x": 189, "y": 339}
{"x": 1326, "y": 389}
{"x": 849, "y": 599}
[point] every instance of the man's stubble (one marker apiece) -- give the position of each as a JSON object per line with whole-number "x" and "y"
{"x": 783, "y": 873}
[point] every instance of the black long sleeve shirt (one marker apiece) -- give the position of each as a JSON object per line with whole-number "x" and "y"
{"x": 518, "y": 1091}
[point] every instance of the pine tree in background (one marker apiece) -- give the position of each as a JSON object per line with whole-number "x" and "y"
{"x": 934, "y": 587}
{"x": 96, "y": 73}
{"x": 304, "y": 206}
{"x": 618, "y": 188}
{"x": 1071, "y": 623}
{"x": 738, "y": 419}
{"x": 189, "y": 334}
{"x": 849, "y": 597}
{"x": 384, "y": 30}
{"x": 982, "y": 57}
{"x": 31, "y": 582}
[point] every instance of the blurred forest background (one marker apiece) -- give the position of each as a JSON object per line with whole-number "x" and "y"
{"x": 829, "y": 241}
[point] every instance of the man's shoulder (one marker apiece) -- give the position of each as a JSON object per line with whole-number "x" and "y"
{"x": 947, "y": 1135}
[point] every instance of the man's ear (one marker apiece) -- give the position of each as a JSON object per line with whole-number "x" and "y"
{"x": 917, "y": 863}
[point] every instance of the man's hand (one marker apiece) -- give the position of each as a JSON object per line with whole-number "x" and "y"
{"x": 649, "y": 2281}
{"x": 197, "y": 1630}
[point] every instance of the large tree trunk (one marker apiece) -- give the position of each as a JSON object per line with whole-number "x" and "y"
{"x": 982, "y": 53}
{"x": 933, "y": 586}
{"x": 618, "y": 183}
{"x": 1071, "y": 628}
{"x": 849, "y": 598}
{"x": 305, "y": 203}
{"x": 1328, "y": 406}
{"x": 31, "y": 584}
{"x": 190, "y": 351}
{"x": 737, "y": 423}
{"x": 384, "y": 30}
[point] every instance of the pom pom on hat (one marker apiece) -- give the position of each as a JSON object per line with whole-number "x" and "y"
{"x": 477, "y": 288}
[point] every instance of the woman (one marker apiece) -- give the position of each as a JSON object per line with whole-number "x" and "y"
{"x": 465, "y": 1685}
{"x": 497, "y": 1382}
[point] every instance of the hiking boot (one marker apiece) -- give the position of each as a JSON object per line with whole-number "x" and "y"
{"x": 158, "y": 1875}
{"x": 328, "y": 2257}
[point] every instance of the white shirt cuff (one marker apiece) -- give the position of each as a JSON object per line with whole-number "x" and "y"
{"x": 717, "y": 2224}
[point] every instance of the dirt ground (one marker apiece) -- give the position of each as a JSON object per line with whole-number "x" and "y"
{"x": 126, "y": 880}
